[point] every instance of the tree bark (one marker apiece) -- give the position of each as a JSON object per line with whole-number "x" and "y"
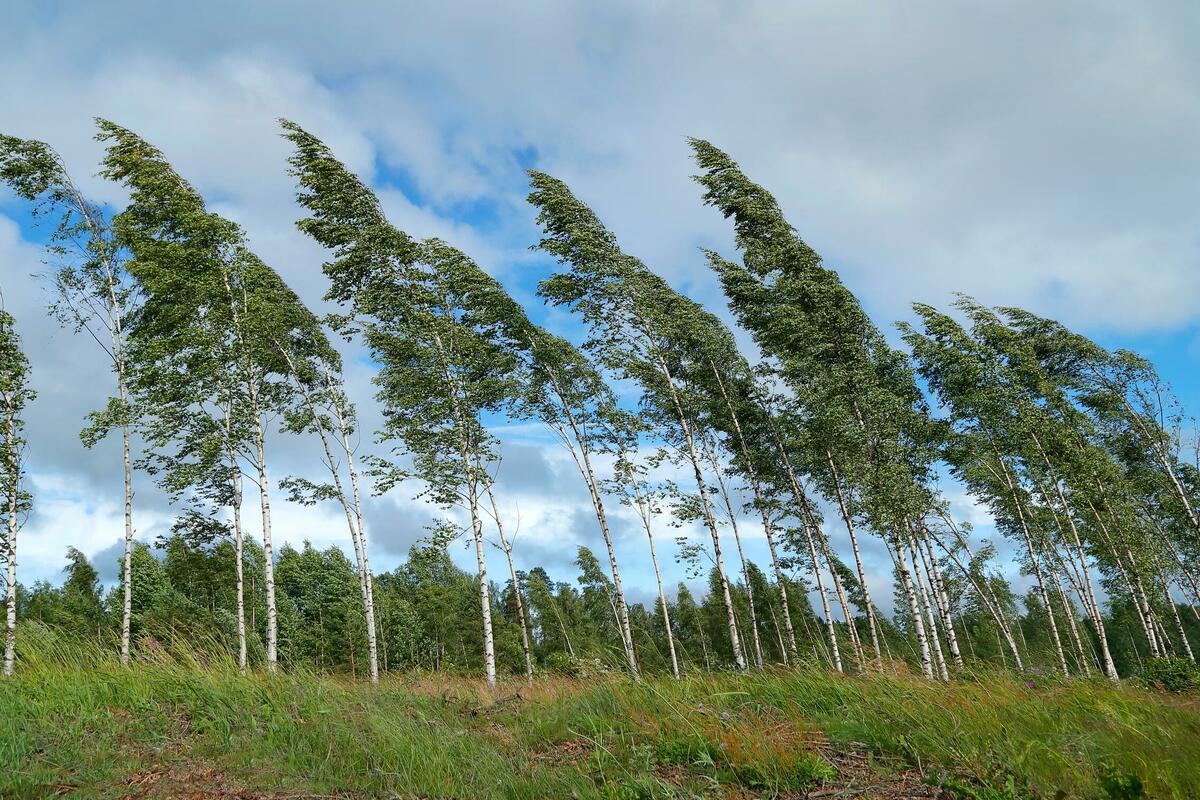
{"x": 760, "y": 503}
{"x": 14, "y": 497}
{"x": 235, "y": 477}
{"x": 739, "y": 656}
{"x": 923, "y": 596}
{"x": 729, "y": 510}
{"x": 644, "y": 513}
{"x": 512, "y": 569}
{"x": 809, "y": 526}
{"x": 939, "y": 594}
{"x": 1035, "y": 564}
{"x": 583, "y": 462}
{"x": 918, "y": 626}
{"x": 989, "y": 600}
{"x": 862, "y": 573}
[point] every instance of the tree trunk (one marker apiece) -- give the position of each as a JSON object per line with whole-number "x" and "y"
{"x": 583, "y": 462}
{"x": 862, "y": 573}
{"x": 1035, "y": 564}
{"x": 485, "y": 601}
{"x": 1187, "y": 647}
{"x": 918, "y": 626}
{"x": 923, "y": 597}
{"x": 1110, "y": 668}
{"x": 739, "y": 656}
{"x": 14, "y": 496}
{"x": 512, "y": 569}
{"x": 644, "y": 513}
{"x": 989, "y": 600}
{"x": 268, "y": 553}
{"x": 768, "y": 528}
{"x": 810, "y": 530}
{"x": 1069, "y": 614}
{"x": 729, "y": 510}
{"x": 368, "y": 579}
{"x": 236, "y": 487}
{"x": 943, "y": 600}
{"x": 851, "y": 629}
{"x": 354, "y": 518}
{"x": 127, "y": 564}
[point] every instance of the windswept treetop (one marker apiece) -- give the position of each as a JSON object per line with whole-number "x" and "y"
{"x": 196, "y": 267}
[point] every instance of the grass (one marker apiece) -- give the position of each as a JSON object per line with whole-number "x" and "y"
{"x": 75, "y": 723}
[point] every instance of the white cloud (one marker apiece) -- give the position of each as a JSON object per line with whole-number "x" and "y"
{"x": 1028, "y": 154}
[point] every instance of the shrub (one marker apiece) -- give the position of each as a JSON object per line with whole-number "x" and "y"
{"x": 1171, "y": 674}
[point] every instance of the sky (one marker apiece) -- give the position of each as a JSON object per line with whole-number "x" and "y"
{"x": 1031, "y": 154}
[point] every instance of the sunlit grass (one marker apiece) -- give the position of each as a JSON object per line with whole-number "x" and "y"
{"x": 74, "y": 720}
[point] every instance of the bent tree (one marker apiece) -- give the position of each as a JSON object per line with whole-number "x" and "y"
{"x": 637, "y": 329}
{"x": 857, "y": 402}
{"x": 91, "y": 293}
{"x": 208, "y": 300}
{"x": 15, "y": 393}
{"x": 439, "y": 374}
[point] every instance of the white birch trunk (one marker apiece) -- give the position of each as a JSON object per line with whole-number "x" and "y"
{"x": 942, "y": 598}
{"x": 706, "y": 506}
{"x": 512, "y": 571}
{"x": 1037, "y": 568}
{"x": 862, "y": 573}
{"x": 1069, "y": 615}
{"x": 644, "y": 513}
{"x": 238, "y": 567}
{"x": 354, "y": 520}
{"x": 485, "y": 601}
{"x": 1110, "y": 668}
{"x": 989, "y": 600}
{"x": 1187, "y": 646}
{"x": 831, "y": 626}
{"x": 851, "y": 629}
{"x": 923, "y": 596}
{"x": 910, "y": 593}
{"x": 724, "y": 492}
{"x": 268, "y": 553}
{"x": 789, "y": 652}
{"x": 14, "y": 494}
{"x": 365, "y": 562}
{"x": 581, "y": 453}
{"x": 810, "y": 531}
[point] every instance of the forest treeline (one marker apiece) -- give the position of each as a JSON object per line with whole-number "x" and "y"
{"x": 828, "y": 436}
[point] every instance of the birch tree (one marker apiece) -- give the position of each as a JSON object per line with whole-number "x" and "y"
{"x": 195, "y": 268}
{"x": 92, "y": 294}
{"x": 326, "y": 411}
{"x": 638, "y": 328}
{"x": 860, "y": 405}
{"x": 15, "y": 394}
{"x": 441, "y": 368}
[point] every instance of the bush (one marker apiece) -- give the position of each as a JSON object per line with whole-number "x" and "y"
{"x": 1171, "y": 674}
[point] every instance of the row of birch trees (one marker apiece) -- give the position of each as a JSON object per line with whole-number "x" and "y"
{"x": 830, "y": 441}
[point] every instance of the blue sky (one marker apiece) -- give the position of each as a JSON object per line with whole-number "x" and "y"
{"x": 1027, "y": 154}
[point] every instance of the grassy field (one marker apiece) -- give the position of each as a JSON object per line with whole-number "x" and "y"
{"x": 76, "y": 724}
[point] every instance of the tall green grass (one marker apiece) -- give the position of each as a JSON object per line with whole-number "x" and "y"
{"x": 73, "y": 720}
